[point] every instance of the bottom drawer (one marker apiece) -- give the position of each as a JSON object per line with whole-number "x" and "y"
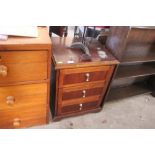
{"x": 79, "y": 107}
{"x": 23, "y": 117}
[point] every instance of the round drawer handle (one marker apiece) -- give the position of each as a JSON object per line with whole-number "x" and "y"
{"x": 16, "y": 122}
{"x": 3, "y": 70}
{"x": 81, "y": 106}
{"x": 87, "y": 76}
{"x": 10, "y": 100}
{"x": 84, "y": 93}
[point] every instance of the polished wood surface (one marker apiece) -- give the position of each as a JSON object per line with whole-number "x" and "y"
{"x": 81, "y": 85}
{"x": 20, "y": 57}
{"x": 25, "y": 80}
{"x": 134, "y": 47}
{"x": 62, "y": 54}
{"x": 78, "y": 108}
{"x": 81, "y": 93}
{"x": 43, "y": 41}
{"x": 24, "y": 72}
{"x": 102, "y": 80}
{"x": 22, "y": 95}
{"x": 28, "y": 116}
{"x": 69, "y": 77}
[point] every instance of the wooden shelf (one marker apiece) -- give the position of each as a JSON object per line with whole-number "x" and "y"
{"x": 128, "y": 71}
{"x": 139, "y": 58}
{"x": 134, "y": 47}
{"x": 127, "y": 91}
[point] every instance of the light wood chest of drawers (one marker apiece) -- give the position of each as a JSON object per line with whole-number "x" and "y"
{"x": 80, "y": 86}
{"x": 24, "y": 80}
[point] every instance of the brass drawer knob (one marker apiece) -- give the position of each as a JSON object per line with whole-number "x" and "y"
{"x": 16, "y": 122}
{"x": 84, "y": 93}
{"x": 87, "y": 77}
{"x": 3, "y": 70}
{"x": 10, "y": 100}
{"x": 81, "y": 106}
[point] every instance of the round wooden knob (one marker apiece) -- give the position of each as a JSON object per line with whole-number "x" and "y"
{"x": 10, "y": 100}
{"x": 3, "y": 70}
{"x": 16, "y": 122}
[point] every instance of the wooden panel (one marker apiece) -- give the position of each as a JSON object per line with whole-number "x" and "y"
{"x": 116, "y": 41}
{"x": 135, "y": 70}
{"x": 24, "y": 72}
{"x": 141, "y": 35}
{"x": 13, "y": 97}
{"x": 23, "y": 116}
{"x": 128, "y": 81}
{"x": 151, "y": 84}
{"x": 138, "y": 58}
{"x": 82, "y": 75}
{"x": 128, "y": 91}
{"x": 77, "y": 108}
{"x": 140, "y": 45}
{"x": 22, "y": 56}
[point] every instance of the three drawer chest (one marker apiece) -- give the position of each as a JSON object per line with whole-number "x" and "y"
{"x": 78, "y": 86}
{"x": 25, "y": 80}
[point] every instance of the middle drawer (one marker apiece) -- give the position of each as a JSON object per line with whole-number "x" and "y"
{"x": 81, "y": 92}
{"x": 12, "y": 97}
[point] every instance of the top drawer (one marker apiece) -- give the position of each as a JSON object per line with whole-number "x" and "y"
{"x": 71, "y": 77}
{"x": 22, "y": 56}
{"x": 23, "y": 66}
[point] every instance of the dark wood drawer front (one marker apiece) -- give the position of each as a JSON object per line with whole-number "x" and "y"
{"x": 79, "y": 107}
{"x": 72, "y": 77}
{"x": 84, "y": 77}
{"x": 81, "y": 93}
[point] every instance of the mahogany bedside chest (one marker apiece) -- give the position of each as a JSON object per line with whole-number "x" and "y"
{"x": 25, "y": 80}
{"x": 78, "y": 86}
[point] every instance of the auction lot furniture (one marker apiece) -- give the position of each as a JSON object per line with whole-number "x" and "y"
{"x": 24, "y": 80}
{"x": 78, "y": 86}
{"x": 134, "y": 47}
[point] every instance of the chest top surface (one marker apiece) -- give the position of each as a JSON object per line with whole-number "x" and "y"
{"x": 65, "y": 57}
{"x": 39, "y": 42}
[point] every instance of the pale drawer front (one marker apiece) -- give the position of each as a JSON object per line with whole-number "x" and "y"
{"x": 13, "y": 97}
{"x": 23, "y": 56}
{"x": 70, "y": 77}
{"x": 23, "y": 66}
{"x": 23, "y": 117}
{"x": 23, "y": 72}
